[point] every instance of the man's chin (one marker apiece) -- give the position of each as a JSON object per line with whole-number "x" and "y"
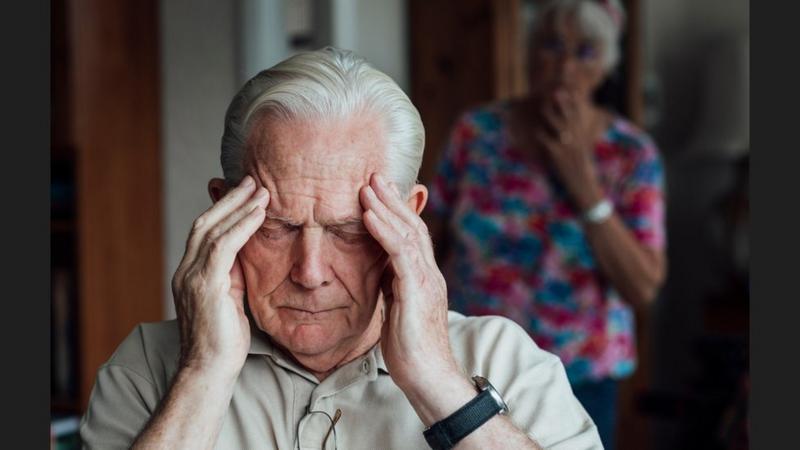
{"x": 309, "y": 339}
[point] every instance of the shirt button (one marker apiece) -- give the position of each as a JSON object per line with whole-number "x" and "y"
{"x": 365, "y": 366}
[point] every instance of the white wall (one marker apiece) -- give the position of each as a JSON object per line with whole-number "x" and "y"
{"x": 261, "y": 36}
{"x": 376, "y": 30}
{"x": 198, "y": 71}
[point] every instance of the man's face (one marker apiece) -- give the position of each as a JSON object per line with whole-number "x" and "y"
{"x": 313, "y": 270}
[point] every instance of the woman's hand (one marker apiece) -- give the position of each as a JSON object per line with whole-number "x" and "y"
{"x": 568, "y": 138}
{"x": 208, "y": 286}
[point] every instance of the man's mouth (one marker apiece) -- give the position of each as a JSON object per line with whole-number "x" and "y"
{"x": 306, "y": 314}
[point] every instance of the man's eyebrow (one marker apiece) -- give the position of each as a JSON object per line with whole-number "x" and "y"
{"x": 285, "y": 220}
{"x": 349, "y": 220}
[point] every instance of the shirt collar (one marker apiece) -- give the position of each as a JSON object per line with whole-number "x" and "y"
{"x": 261, "y": 344}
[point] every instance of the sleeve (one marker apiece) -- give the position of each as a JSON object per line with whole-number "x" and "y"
{"x": 534, "y": 385}
{"x": 640, "y": 198}
{"x": 451, "y": 167}
{"x": 122, "y": 400}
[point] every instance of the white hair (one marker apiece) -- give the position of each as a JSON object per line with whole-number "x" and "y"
{"x": 327, "y": 84}
{"x": 601, "y": 21}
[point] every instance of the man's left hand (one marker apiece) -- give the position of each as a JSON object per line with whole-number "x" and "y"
{"x": 414, "y": 339}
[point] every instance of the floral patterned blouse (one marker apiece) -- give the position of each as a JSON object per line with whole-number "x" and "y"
{"x": 517, "y": 248}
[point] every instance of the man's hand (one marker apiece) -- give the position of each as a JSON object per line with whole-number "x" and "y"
{"x": 208, "y": 286}
{"x": 414, "y": 339}
{"x": 215, "y": 334}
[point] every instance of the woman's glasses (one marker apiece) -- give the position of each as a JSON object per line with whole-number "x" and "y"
{"x": 585, "y": 52}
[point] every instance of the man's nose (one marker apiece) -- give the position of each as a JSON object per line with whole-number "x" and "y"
{"x": 312, "y": 266}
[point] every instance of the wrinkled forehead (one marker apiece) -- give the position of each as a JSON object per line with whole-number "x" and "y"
{"x": 315, "y": 167}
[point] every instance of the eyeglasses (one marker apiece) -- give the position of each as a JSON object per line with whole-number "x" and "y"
{"x": 336, "y": 416}
{"x": 584, "y": 52}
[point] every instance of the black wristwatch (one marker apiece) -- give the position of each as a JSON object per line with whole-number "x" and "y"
{"x": 446, "y": 433}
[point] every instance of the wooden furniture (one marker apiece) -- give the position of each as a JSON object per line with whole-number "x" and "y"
{"x": 105, "y": 131}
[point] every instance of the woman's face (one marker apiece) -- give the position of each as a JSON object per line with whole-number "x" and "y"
{"x": 562, "y": 58}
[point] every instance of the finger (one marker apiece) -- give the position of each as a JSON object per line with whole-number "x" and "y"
{"x": 230, "y": 201}
{"x": 370, "y": 201}
{"x": 398, "y": 249}
{"x": 390, "y": 195}
{"x": 259, "y": 199}
{"x": 233, "y": 199}
{"x": 197, "y": 240}
{"x": 391, "y": 198}
{"x": 560, "y": 105}
{"x": 406, "y": 224}
{"x": 222, "y": 252}
{"x": 549, "y": 144}
{"x": 570, "y": 106}
{"x": 553, "y": 120}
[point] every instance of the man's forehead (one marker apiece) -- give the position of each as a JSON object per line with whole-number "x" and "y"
{"x": 319, "y": 165}
{"x": 342, "y": 148}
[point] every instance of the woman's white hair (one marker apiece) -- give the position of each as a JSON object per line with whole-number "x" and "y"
{"x": 600, "y": 21}
{"x": 327, "y": 84}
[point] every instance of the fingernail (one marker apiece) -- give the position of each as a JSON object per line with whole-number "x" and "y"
{"x": 262, "y": 192}
{"x": 247, "y": 181}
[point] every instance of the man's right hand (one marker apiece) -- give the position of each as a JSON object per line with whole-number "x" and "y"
{"x": 208, "y": 286}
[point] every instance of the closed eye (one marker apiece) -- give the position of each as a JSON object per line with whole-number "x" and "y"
{"x": 351, "y": 233}
{"x": 274, "y": 230}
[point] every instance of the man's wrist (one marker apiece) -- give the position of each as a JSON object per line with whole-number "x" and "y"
{"x": 436, "y": 398}
{"x": 220, "y": 374}
{"x": 446, "y": 433}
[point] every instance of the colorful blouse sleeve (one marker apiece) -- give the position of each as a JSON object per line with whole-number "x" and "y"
{"x": 640, "y": 200}
{"x": 450, "y": 168}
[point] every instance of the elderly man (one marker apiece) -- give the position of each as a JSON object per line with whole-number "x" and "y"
{"x": 311, "y": 312}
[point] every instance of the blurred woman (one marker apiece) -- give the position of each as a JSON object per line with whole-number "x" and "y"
{"x": 549, "y": 209}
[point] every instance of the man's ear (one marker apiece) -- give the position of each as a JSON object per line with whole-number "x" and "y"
{"x": 217, "y": 189}
{"x": 418, "y": 198}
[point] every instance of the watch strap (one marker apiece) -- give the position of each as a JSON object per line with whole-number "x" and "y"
{"x": 449, "y": 431}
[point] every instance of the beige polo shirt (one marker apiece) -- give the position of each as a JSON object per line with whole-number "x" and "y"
{"x": 276, "y": 404}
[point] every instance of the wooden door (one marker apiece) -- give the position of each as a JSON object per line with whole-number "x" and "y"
{"x": 114, "y": 113}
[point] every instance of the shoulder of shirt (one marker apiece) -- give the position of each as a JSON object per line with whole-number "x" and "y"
{"x": 488, "y": 336}
{"x": 476, "y": 113}
{"x": 628, "y": 134}
{"x": 151, "y": 350}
